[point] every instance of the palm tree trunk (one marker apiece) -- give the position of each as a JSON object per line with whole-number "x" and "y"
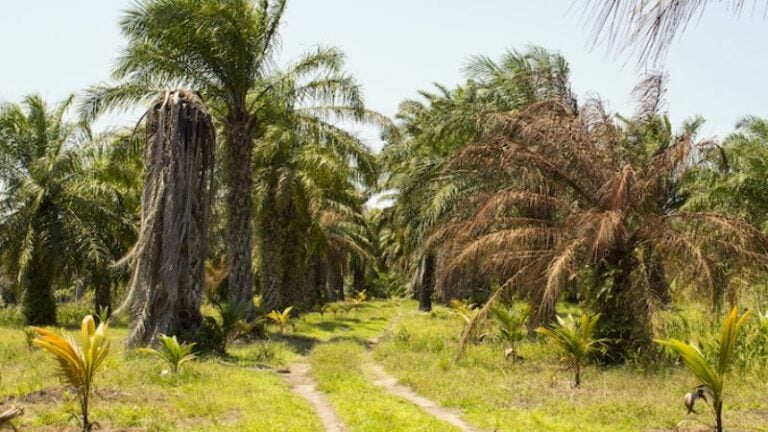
{"x": 624, "y": 315}
{"x": 239, "y": 200}
{"x": 358, "y": 276}
{"x": 427, "y": 282}
{"x": 39, "y": 305}
{"x": 316, "y": 281}
{"x": 167, "y": 282}
{"x": 335, "y": 281}
{"x": 657, "y": 279}
{"x": 271, "y": 270}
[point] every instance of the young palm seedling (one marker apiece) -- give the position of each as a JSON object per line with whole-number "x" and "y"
{"x": 172, "y": 351}
{"x": 360, "y": 298}
{"x": 710, "y": 375}
{"x": 78, "y": 360}
{"x": 282, "y": 319}
{"x": 576, "y": 339}
{"x": 29, "y": 337}
{"x": 510, "y": 324}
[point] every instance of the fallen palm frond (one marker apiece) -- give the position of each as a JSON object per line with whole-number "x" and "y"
{"x": 8, "y": 416}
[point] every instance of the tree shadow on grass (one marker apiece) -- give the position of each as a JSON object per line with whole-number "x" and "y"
{"x": 300, "y": 344}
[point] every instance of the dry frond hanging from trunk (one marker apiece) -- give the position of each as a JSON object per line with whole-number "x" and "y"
{"x": 169, "y": 257}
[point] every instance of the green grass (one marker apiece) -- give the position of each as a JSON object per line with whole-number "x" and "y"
{"x": 205, "y": 396}
{"x": 242, "y": 393}
{"x": 364, "y": 407}
{"x": 535, "y": 394}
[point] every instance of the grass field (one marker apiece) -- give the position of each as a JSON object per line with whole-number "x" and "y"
{"x": 244, "y": 392}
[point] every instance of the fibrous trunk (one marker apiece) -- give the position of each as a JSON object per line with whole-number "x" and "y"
{"x": 335, "y": 279}
{"x": 427, "y": 283}
{"x": 102, "y": 289}
{"x": 168, "y": 259}
{"x": 39, "y": 303}
{"x": 271, "y": 249}
{"x": 624, "y": 311}
{"x": 239, "y": 182}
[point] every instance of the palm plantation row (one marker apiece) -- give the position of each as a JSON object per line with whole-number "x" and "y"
{"x": 250, "y": 194}
{"x": 487, "y": 180}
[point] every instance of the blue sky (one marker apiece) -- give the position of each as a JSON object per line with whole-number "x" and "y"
{"x": 717, "y": 68}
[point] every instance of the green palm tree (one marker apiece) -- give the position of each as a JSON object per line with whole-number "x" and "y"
{"x": 229, "y": 59}
{"x": 735, "y": 178}
{"x": 308, "y": 201}
{"x": 60, "y": 217}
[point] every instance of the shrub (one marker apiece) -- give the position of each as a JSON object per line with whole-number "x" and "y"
{"x": 463, "y": 309}
{"x": 172, "y": 352}
{"x": 710, "y": 374}
{"x": 70, "y": 315}
{"x": 576, "y": 339}
{"x": 11, "y": 317}
{"x": 78, "y": 361}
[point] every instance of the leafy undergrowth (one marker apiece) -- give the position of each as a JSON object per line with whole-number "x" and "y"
{"x": 535, "y": 393}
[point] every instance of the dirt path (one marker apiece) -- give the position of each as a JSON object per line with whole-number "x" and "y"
{"x": 381, "y": 378}
{"x": 303, "y": 385}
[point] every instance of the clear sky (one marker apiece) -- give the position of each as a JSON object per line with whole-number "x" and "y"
{"x": 718, "y": 67}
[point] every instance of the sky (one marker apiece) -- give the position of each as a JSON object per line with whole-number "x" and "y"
{"x": 717, "y": 68}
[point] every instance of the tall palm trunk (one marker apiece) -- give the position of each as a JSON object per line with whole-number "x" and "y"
{"x": 39, "y": 305}
{"x": 335, "y": 280}
{"x": 358, "y": 276}
{"x": 427, "y": 282}
{"x": 167, "y": 282}
{"x": 102, "y": 288}
{"x": 239, "y": 199}
{"x": 272, "y": 259}
{"x": 657, "y": 279}
{"x": 624, "y": 314}
{"x": 316, "y": 281}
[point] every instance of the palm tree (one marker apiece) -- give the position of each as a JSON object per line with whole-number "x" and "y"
{"x": 308, "y": 174}
{"x": 221, "y": 49}
{"x": 734, "y": 176}
{"x": 648, "y": 27}
{"x": 538, "y": 221}
{"x": 60, "y": 216}
{"x": 229, "y": 59}
{"x": 422, "y": 189}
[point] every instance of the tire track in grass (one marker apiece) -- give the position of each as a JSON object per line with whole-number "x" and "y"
{"x": 338, "y": 367}
{"x": 379, "y": 376}
{"x": 302, "y": 384}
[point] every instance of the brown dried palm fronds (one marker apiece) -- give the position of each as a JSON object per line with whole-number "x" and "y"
{"x": 9, "y": 415}
{"x": 554, "y": 192}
